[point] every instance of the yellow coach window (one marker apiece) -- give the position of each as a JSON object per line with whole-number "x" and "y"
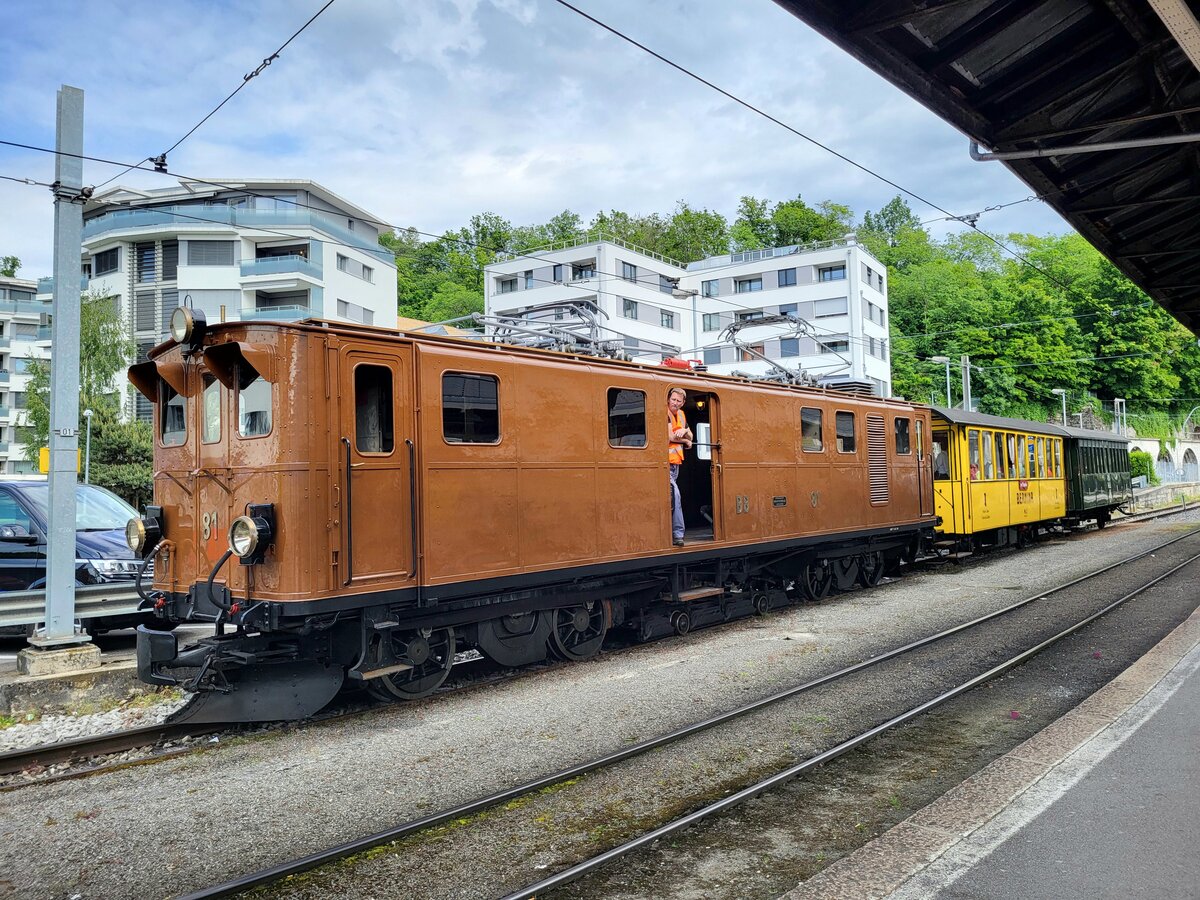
{"x": 989, "y": 464}
{"x": 973, "y": 453}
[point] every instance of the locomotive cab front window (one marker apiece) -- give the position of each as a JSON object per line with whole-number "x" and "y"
{"x": 211, "y": 427}
{"x": 254, "y": 408}
{"x": 172, "y": 415}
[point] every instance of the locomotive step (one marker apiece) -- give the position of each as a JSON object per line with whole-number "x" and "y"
{"x": 696, "y": 594}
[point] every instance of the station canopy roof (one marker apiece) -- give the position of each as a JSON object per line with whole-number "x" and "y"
{"x": 1021, "y": 75}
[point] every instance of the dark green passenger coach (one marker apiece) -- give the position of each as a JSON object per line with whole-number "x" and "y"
{"x": 1098, "y": 476}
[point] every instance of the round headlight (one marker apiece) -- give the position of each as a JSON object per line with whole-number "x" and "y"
{"x": 135, "y": 535}
{"x": 243, "y": 537}
{"x": 182, "y": 324}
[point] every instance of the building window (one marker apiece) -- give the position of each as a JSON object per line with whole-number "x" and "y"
{"x": 883, "y": 350}
{"x": 747, "y": 285}
{"x": 368, "y": 274}
{"x": 832, "y": 273}
{"x": 626, "y": 418}
{"x": 145, "y": 261}
{"x": 143, "y": 311}
{"x": 507, "y": 285}
{"x": 825, "y": 309}
{"x": 470, "y": 408}
{"x": 665, "y": 284}
{"x": 558, "y": 269}
{"x": 711, "y": 322}
{"x": 343, "y": 263}
{"x": 108, "y": 261}
{"x": 759, "y": 351}
{"x": 629, "y": 271}
{"x": 170, "y": 262}
{"x": 210, "y": 253}
{"x": 579, "y": 271}
{"x": 749, "y": 315}
{"x": 845, "y": 432}
{"x": 902, "y": 442}
{"x": 810, "y": 430}
{"x": 629, "y": 308}
{"x": 871, "y": 345}
{"x": 712, "y": 357}
{"x": 667, "y": 318}
{"x": 789, "y": 347}
{"x": 789, "y": 309}
{"x": 373, "y": 432}
{"x": 528, "y": 279}
{"x": 787, "y": 277}
{"x": 710, "y": 288}
{"x": 841, "y": 346}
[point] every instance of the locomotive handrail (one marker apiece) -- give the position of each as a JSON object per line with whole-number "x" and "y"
{"x": 346, "y": 518}
{"x": 412, "y": 511}
{"x": 91, "y": 601}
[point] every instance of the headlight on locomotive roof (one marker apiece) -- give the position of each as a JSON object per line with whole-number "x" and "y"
{"x": 187, "y": 325}
{"x": 248, "y": 534}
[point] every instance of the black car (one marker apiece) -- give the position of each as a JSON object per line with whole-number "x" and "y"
{"x": 101, "y": 554}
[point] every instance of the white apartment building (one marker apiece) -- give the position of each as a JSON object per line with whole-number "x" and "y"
{"x": 278, "y": 250}
{"x": 24, "y": 335}
{"x": 657, "y": 305}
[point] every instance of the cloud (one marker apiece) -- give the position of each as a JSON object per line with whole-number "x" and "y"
{"x": 425, "y": 113}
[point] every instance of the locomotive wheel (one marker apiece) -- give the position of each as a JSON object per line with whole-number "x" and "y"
{"x": 762, "y": 603}
{"x": 579, "y": 631}
{"x": 681, "y": 622}
{"x": 845, "y": 572}
{"x": 870, "y": 570}
{"x": 814, "y": 582}
{"x": 433, "y": 657}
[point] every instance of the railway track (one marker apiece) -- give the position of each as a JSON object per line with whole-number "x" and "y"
{"x": 278, "y": 873}
{"x": 156, "y": 737}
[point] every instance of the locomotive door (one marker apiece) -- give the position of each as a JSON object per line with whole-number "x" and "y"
{"x": 376, "y": 453}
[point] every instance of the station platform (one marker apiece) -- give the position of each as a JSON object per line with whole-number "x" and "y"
{"x": 1100, "y": 804}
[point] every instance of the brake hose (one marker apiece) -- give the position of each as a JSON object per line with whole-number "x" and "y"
{"x": 213, "y": 574}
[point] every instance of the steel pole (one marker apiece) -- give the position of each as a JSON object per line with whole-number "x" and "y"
{"x": 966, "y": 379}
{"x": 87, "y": 449}
{"x": 64, "y": 375}
{"x": 1063, "y": 395}
{"x": 949, "y": 401}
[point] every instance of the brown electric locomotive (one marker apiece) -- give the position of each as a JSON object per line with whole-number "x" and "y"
{"x": 356, "y": 502}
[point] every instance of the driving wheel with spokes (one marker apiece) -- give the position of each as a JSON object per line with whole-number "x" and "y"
{"x": 815, "y": 581}
{"x": 429, "y": 653}
{"x": 578, "y": 631}
{"x": 870, "y": 569}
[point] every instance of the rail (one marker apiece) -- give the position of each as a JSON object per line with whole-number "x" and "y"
{"x": 91, "y": 601}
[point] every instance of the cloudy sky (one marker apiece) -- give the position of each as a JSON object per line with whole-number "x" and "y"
{"x": 426, "y": 111}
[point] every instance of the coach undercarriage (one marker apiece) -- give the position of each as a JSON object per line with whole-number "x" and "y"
{"x": 267, "y": 663}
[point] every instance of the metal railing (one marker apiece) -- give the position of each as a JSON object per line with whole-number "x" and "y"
{"x": 288, "y": 313}
{"x": 91, "y": 601}
{"x": 590, "y": 237}
{"x": 281, "y": 265}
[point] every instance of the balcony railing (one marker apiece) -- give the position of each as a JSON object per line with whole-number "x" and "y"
{"x": 4, "y": 446}
{"x": 46, "y": 285}
{"x": 4, "y": 376}
{"x": 26, "y": 307}
{"x": 281, "y": 265}
{"x": 278, "y": 313}
{"x": 198, "y": 216}
{"x": 45, "y": 332}
{"x": 5, "y": 412}
{"x": 5, "y": 343}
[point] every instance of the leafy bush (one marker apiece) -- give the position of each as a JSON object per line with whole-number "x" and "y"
{"x": 1141, "y": 463}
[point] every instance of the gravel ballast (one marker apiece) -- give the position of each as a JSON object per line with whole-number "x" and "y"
{"x": 178, "y": 825}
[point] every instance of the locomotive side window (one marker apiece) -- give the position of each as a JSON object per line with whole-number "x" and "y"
{"x": 172, "y": 415}
{"x": 973, "y": 452}
{"x": 903, "y": 445}
{"x": 211, "y": 429}
{"x": 373, "y": 432}
{"x": 470, "y": 408}
{"x": 254, "y": 409}
{"x": 810, "y": 430}
{"x": 626, "y": 418}
{"x": 845, "y": 432}
{"x": 989, "y": 463}
{"x": 920, "y": 440}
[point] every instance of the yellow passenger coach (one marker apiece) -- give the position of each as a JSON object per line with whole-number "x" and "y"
{"x": 996, "y": 481}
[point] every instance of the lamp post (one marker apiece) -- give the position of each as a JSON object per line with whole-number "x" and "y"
{"x": 87, "y": 448}
{"x": 1062, "y": 392}
{"x": 944, "y": 360}
{"x": 1187, "y": 419}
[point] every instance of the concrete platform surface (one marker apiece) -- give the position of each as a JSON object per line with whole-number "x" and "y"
{"x": 1100, "y": 804}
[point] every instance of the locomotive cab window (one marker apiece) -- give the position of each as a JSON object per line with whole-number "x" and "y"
{"x": 373, "y": 431}
{"x": 172, "y": 415}
{"x": 210, "y": 431}
{"x": 626, "y": 418}
{"x": 254, "y": 408}
{"x": 810, "y": 430}
{"x": 470, "y": 408}
{"x": 903, "y": 445}
{"x": 845, "y": 432}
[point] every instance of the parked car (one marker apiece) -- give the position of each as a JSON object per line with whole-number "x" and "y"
{"x": 101, "y": 553}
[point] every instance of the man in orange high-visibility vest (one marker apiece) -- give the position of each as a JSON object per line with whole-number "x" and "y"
{"x": 679, "y": 438}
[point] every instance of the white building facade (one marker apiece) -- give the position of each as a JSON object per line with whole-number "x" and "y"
{"x": 278, "y": 250}
{"x": 658, "y": 306}
{"x": 24, "y": 335}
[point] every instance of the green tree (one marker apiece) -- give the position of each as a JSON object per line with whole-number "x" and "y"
{"x": 104, "y": 350}
{"x": 9, "y": 266}
{"x": 753, "y": 228}
{"x": 694, "y": 234}
{"x": 122, "y": 455}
